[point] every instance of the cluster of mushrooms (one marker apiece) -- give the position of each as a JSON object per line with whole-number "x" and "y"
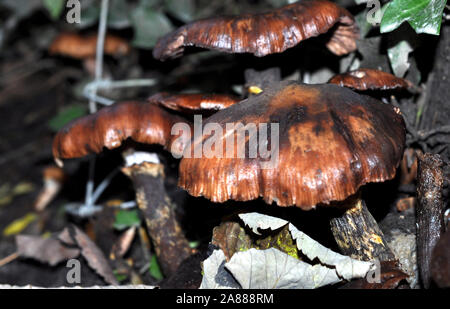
{"x": 332, "y": 139}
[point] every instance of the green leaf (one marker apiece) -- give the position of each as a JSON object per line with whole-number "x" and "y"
{"x": 66, "y": 115}
{"x": 154, "y": 269}
{"x": 148, "y": 26}
{"x": 54, "y": 7}
{"x": 425, "y": 16}
{"x": 89, "y": 16}
{"x": 126, "y": 218}
{"x": 181, "y": 9}
{"x": 118, "y": 16}
{"x": 398, "y": 57}
{"x": 119, "y": 276}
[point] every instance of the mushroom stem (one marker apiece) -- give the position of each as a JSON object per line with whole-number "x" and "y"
{"x": 357, "y": 233}
{"x": 170, "y": 244}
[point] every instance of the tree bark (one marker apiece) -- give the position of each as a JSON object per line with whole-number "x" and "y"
{"x": 437, "y": 108}
{"x": 429, "y": 211}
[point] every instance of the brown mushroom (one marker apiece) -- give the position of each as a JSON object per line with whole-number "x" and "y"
{"x": 370, "y": 79}
{"x": 53, "y": 180}
{"x": 145, "y": 123}
{"x": 331, "y": 141}
{"x": 76, "y": 46}
{"x": 109, "y": 127}
{"x": 193, "y": 102}
{"x": 266, "y": 33}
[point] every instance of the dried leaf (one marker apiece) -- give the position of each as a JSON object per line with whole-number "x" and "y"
{"x": 93, "y": 255}
{"x": 45, "y": 250}
{"x": 256, "y": 221}
{"x": 345, "y": 266}
{"x": 390, "y": 278}
{"x": 121, "y": 246}
{"x": 215, "y": 274}
{"x": 231, "y": 238}
{"x": 273, "y": 269}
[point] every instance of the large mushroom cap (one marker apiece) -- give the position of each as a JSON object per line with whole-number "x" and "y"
{"x": 331, "y": 141}
{"x": 267, "y": 33}
{"x": 109, "y": 127}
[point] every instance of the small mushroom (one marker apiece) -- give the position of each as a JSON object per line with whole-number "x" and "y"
{"x": 145, "y": 123}
{"x": 193, "y": 102}
{"x": 76, "y": 46}
{"x": 370, "y": 79}
{"x": 330, "y": 142}
{"x": 141, "y": 121}
{"x": 266, "y": 33}
{"x": 53, "y": 180}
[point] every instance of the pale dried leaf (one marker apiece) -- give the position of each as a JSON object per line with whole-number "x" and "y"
{"x": 94, "y": 256}
{"x": 273, "y": 269}
{"x": 215, "y": 275}
{"x": 256, "y": 221}
{"x": 45, "y": 250}
{"x": 345, "y": 266}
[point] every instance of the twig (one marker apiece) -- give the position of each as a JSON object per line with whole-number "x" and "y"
{"x": 91, "y": 88}
{"x": 100, "y": 47}
{"x": 429, "y": 211}
{"x": 92, "y": 104}
{"x": 9, "y": 259}
{"x": 441, "y": 130}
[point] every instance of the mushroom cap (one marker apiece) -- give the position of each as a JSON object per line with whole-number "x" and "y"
{"x": 370, "y": 79}
{"x": 331, "y": 141}
{"x": 266, "y": 33}
{"x": 81, "y": 47}
{"x": 193, "y": 102}
{"x": 109, "y": 127}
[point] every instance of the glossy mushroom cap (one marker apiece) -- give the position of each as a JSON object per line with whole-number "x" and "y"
{"x": 267, "y": 33}
{"x": 193, "y": 102}
{"x": 109, "y": 127}
{"x": 370, "y": 79}
{"x": 331, "y": 141}
{"x": 81, "y": 47}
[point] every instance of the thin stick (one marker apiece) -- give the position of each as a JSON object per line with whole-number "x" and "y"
{"x": 91, "y": 88}
{"x": 98, "y": 76}
{"x": 9, "y": 259}
{"x": 100, "y": 46}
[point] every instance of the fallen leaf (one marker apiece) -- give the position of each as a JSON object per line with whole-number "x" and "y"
{"x": 93, "y": 255}
{"x": 231, "y": 237}
{"x": 345, "y": 266}
{"x": 273, "y": 269}
{"x": 46, "y": 250}
{"x": 215, "y": 275}
{"x": 121, "y": 246}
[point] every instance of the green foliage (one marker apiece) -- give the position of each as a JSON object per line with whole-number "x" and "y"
{"x": 154, "y": 269}
{"x": 126, "y": 218}
{"x": 66, "y": 115}
{"x": 182, "y": 9}
{"x": 425, "y": 16}
{"x": 398, "y": 57}
{"x": 149, "y": 24}
{"x": 54, "y": 7}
